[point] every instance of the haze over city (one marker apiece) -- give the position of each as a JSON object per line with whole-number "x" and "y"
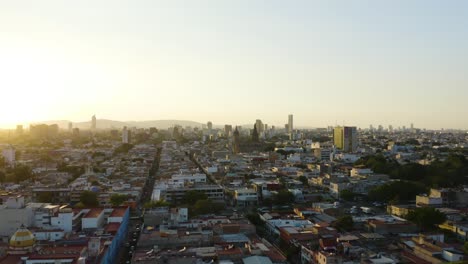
{"x": 330, "y": 62}
{"x": 233, "y": 132}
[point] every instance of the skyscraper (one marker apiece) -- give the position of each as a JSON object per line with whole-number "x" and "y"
{"x": 345, "y": 138}
{"x": 228, "y": 130}
{"x": 93, "y": 122}
{"x": 236, "y": 141}
{"x": 259, "y": 125}
{"x": 290, "y": 124}
{"x": 126, "y": 135}
{"x": 209, "y": 125}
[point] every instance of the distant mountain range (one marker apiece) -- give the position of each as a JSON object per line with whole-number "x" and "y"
{"x": 109, "y": 124}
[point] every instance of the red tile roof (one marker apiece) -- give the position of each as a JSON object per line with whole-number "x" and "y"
{"x": 93, "y": 213}
{"x": 118, "y": 212}
{"x": 112, "y": 228}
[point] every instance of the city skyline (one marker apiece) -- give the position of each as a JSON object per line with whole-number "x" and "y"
{"x": 95, "y": 123}
{"x": 328, "y": 63}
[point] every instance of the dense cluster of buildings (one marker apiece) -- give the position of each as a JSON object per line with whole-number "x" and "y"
{"x": 224, "y": 194}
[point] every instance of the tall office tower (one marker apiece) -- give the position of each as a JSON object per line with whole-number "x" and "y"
{"x": 19, "y": 130}
{"x": 236, "y": 141}
{"x": 380, "y": 129}
{"x": 290, "y": 124}
{"x": 345, "y": 138}
{"x": 266, "y": 127}
{"x": 371, "y": 128}
{"x": 126, "y": 135}
{"x": 93, "y": 122}
{"x": 70, "y": 126}
{"x": 390, "y": 128}
{"x": 260, "y": 126}
{"x": 412, "y": 126}
{"x": 209, "y": 125}
{"x": 228, "y": 130}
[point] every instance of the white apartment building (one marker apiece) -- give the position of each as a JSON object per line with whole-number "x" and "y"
{"x": 246, "y": 197}
{"x": 188, "y": 178}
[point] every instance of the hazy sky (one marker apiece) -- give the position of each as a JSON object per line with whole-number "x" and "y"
{"x": 357, "y": 62}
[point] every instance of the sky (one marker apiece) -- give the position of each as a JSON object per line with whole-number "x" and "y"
{"x": 231, "y": 62}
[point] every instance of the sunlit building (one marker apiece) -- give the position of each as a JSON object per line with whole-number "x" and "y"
{"x": 345, "y": 138}
{"x": 290, "y": 124}
{"x": 126, "y": 135}
{"x": 93, "y": 122}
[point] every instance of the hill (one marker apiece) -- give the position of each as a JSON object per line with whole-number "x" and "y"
{"x": 109, "y": 124}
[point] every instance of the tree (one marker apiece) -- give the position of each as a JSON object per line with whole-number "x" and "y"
{"x": 397, "y": 190}
{"x": 283, "y": 197}
{"x": 255, "y": 134}
{"x": 45, "y": 197}
{"x": 191, "y": 197}
{"x": 122, "y": 149}
{"x": 344, "y": 223}
{"x": 304, "y": 180}
{"x": 255, "y": 219}
{"x": 118, "y": 199}
{"x": 465, "y": 248}
{"x": 89, "y": 199}
{"x": 79, "y": 205}
{"x": 2, "y": 176}
{"x": 347, "y": 195}
{"x": 154, "y": 204}
{"x": 207, "y": 207}
{"x": 426, "y": 217}
{"x": 22, "y": 173}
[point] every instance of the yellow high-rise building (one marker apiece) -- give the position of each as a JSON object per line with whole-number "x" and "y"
{"x": 345, "y": 138}
{"x": 338, "y": 137}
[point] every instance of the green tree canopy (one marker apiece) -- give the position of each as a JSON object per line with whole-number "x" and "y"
{"x": 283, "y": 197}
{"x": 154, "y": 204}
{"x": 89, "y": 199}
{"x": 191, "y": 197}
{"x": 465, "y": 248}
{"x": 426, "y": 217}
{"x": 447, "y": 173}
{"x": 22, "y": 173}
{"x": 344, "y": 223}
{"x": 397, "y": 190}
{"x": 118, "y": 199}
{"x": 45, "y": 197}
{"x": 207, "y": 207}
{"x": 347, "y": 195}
{"x": 122, "y": 149}
{"x": 304, "y": 180}
{"x": 2, "y": 176}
